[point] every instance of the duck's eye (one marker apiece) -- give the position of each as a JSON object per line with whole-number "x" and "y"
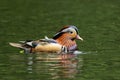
{"x": 71, "y": 32}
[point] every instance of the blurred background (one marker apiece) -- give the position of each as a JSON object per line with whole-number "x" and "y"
{"x": 98, "y": 22}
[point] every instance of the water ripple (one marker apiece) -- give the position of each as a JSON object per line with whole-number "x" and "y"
{"x": 53, "y": 66}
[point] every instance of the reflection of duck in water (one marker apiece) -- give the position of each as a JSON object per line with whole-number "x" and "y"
{"x": 57, "y": 66}
{"x": 64, "y": 40}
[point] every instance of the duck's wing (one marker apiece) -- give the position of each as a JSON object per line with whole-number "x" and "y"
{"x": 49, "y": 40}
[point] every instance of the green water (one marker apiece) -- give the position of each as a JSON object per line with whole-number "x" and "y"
{"x": 99, "y": 25}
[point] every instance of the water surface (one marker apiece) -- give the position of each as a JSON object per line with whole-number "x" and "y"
{"x": 98, "y": 22}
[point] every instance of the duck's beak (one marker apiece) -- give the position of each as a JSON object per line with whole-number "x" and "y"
{"x": 79, "y": 38}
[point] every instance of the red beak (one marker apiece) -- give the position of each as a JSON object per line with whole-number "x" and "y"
{"x": 79, "y": 38}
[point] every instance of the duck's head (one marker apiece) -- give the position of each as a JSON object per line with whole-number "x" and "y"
{"x": 69, "y": 32}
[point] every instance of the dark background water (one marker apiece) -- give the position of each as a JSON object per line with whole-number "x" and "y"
{"x": 98, "y": 22}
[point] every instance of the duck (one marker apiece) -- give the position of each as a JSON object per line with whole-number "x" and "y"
{"x": 63, "y": 41}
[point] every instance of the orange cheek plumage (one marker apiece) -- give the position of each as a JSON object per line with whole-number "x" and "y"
{"x": 65, "y": 41}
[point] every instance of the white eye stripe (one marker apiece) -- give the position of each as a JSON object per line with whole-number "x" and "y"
{"x": 76, "y": 29}
{"x": 68, "y": 30}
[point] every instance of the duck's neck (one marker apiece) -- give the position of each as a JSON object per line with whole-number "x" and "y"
{"x": 65, "y": 41}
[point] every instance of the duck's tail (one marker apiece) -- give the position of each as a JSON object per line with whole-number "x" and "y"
{"x": 27, "y": 46}
{"x": 18, "y": 45}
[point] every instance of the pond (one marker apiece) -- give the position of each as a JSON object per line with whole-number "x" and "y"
{"x": 40, "y": 66}
{"x": 98, "y": 22}
{"x": 47, "y": 66}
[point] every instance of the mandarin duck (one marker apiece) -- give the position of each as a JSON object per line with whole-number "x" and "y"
{"x": 63, "y": 41}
